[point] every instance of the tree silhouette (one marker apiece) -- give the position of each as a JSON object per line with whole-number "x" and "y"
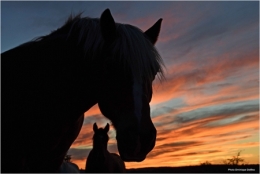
{"x": 235, "y": 160}
{"x": 67, "y": 158}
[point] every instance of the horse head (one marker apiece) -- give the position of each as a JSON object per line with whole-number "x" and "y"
{"x": 100, "y": 137}
{"x": 131, "y": 63}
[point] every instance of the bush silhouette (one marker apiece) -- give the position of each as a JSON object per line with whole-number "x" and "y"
{"x": 206, "y": 163}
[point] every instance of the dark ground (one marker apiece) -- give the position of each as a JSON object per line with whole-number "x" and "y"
{"x": 253, "y": 168}
{"x": 199, "y": 169}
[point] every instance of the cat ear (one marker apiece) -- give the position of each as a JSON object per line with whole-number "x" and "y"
{"x": 107, "y": 127}
{"x": 95, "y": 128}
{"x": 108, "y": 26}
{"x": 153, "y": 32}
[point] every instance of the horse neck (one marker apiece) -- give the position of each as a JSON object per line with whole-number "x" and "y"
{"x": 48, "y": 53}
{"x": 100, "y": 154}
{"x": 100, "y": 147}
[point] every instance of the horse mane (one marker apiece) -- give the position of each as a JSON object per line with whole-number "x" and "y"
{"x": 132, "y": 47}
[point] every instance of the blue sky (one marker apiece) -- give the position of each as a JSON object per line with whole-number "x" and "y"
{"x": 208, "y": 108}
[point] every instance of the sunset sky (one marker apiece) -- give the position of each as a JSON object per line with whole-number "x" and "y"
{"x": 208, "y": 106}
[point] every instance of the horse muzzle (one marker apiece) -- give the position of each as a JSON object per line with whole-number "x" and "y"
{"x": 135, "y": 151}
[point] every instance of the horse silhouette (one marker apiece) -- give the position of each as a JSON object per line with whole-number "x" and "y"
{"x": 99, "y": 159}
{"x": 48, "y": 83}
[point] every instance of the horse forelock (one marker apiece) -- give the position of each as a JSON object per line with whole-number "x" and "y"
{"x": 137, "y": 52}
{"x": 132, "y": 48}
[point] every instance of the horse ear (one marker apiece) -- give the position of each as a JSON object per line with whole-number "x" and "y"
{"x": 154, "y": 31}
{"x": 107, "y": 127}
{"x": 95, "y": 128}
{"x": 108, "y": 26}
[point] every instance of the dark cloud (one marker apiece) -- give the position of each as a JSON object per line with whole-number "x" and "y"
{"x": 93, "y": 118}
{"x": 197, "y": 153}
{"x": 162, "y": 110}
{"x": 82, "y": 154}
{"x": 154, "y": 153}
{"x": 247, "y": 118}
{"x": 160, "y": 139}
{"x": 112, "y": 148}
{"x": 228, "y": 134}
{"x": 230, "y": 109}
{"x": 165, "y": 120}
{"x": 172, "y": 147}
{"x": 161, "y": 131}
{"x": 81, "y": 139}
{"x": 78, "y": 154}
{"x": 182, "y": 144}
